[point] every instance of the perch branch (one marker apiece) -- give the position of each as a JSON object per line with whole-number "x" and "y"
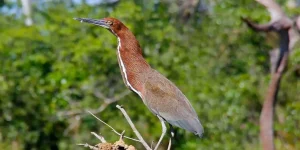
{"x": 101, "y": 138}
{"x": 133, "y": 128}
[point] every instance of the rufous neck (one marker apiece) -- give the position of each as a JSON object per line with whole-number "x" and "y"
{"x": 133, "y": 66}
{"x": 129, "y": 42}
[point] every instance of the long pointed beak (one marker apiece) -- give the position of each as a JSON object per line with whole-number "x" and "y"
{"x": 98, "y": 22}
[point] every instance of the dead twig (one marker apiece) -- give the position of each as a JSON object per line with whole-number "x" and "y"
{"x": 89, "y": 146}
{"x": 133, "y": 127}
{"x": 118, "y": 145}
{"x": 113, "y": 128}
{"x": 101, "y": 138}
{"x": 121, "y": 144}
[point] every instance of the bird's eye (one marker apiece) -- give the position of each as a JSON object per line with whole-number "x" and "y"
{"x": 109, "y": 22}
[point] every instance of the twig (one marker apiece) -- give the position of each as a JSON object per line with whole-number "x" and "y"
{"x": 89, "y": 146}
{"x": 101, "y": 138}
{"x": 122, "y": 135}
{"x": 152, "y": 144}
{"x": 113, "y": 128}
{"x": 133, "y": 128}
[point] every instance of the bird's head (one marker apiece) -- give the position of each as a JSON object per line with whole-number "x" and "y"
{"x": 112, "y": 24}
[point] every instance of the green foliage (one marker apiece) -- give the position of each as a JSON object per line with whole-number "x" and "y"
{"x": 58, "y": 65}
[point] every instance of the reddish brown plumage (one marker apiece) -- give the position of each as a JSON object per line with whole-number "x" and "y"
{"x": 159, "y": 94}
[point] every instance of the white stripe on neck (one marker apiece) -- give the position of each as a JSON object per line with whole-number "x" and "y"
{"x": 123, "y": 69}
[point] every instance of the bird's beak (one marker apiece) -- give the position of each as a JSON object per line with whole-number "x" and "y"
{"x": 98, "y": 22}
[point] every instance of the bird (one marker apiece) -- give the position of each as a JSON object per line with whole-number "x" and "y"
{"x": 160, "y": 95}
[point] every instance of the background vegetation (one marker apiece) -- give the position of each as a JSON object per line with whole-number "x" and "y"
{"x": 59, "y": 65}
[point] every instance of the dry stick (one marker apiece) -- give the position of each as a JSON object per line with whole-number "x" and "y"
{"x": 113, "y": 128}
{"x": 89, "y": 146}
{"x": 122, "y": 134}
{"x": 101, "y": 138}
{"x": 133, "y": 127}
{"x": 152, "y": 144}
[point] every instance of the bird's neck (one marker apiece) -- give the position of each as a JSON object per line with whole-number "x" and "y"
{"x": 134, "y": 67}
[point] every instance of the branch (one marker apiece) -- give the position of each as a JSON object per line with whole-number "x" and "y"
{"x": 279, "y": 21}
{"x": 118, "y": 145}
{"x": 281, "y": 24}
{"x": 121, "y": 144}
{"x": 89, "y": 146}
{"x": 133, "y": 128}
{"x": 257, "y": 27}
{"x": 113, "y": 128}
{"x": 101, "y": 138}
{"x": 139, "y": 135}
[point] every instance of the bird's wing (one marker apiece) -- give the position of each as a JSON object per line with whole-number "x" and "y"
{"x": 165, "y": 99}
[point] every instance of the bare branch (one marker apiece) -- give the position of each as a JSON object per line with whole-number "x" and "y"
{"x": 257, "y": 27}
{"x": 122, "y": 135}
{"x": 101, "y": 138}
{"x": 89, "y": 146}
{"x": 113, "y": 128}
{"x": 279, "y": 20}
{"x": 133, "y": 127}
{"x": 118, "y": 145}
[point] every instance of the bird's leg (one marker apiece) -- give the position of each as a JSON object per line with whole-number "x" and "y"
{"x": 172, "y": 136}
{"x": 172, "y": 131}
{"x": 170, "y": 143}
{"x": 164, "y": 130}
